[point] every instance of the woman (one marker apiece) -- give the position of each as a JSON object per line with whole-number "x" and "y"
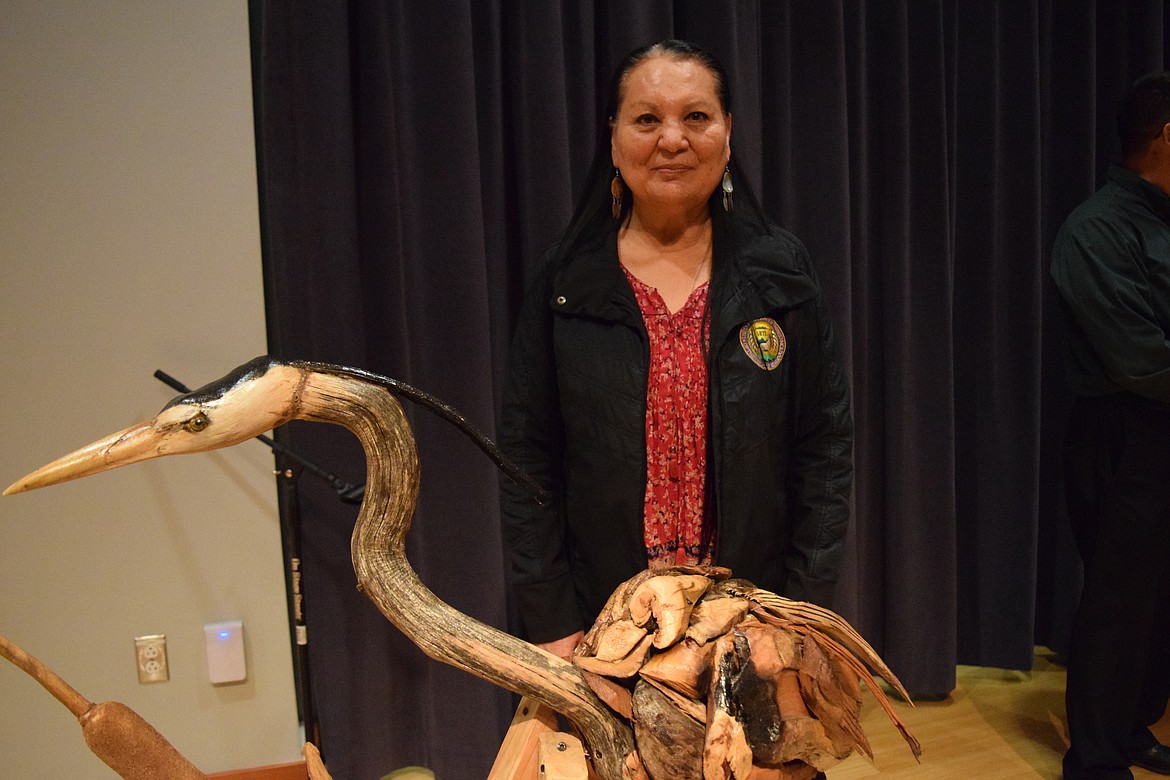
{"x": 674, "y": 381}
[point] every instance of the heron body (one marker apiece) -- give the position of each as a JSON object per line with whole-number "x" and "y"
{"x": 266, "y": 393}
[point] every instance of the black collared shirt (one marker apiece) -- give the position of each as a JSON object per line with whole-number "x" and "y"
{"x": 1111, "y": 264}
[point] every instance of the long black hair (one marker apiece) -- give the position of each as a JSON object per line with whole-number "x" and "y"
{"x": 593, "y": 220}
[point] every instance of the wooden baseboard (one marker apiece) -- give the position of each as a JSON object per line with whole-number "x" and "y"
{"x": 295, "y": 771}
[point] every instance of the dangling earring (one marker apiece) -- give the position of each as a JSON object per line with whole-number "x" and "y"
{"x": 728, "y": 190}
{"x": 615, "y": 190}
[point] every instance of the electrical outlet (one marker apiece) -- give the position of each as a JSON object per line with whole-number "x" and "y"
{"x": 151, "y": 654}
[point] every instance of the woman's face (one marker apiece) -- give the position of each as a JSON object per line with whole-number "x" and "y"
{"x": 670, "y": 138}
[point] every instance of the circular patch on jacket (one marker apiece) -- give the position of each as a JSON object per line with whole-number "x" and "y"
{"x": 763, "y": 342}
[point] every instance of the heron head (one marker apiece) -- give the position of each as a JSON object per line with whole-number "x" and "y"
{"x": 254, "y": 398}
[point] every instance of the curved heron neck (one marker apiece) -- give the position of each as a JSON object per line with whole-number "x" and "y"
{"x": 376, "y": 418}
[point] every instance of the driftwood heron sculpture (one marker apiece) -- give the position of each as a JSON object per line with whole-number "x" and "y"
{"x": 745, "y": 665}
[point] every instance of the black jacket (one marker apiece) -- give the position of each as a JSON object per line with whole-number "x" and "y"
{"x": 780, "y": 441}
{"x": 1111, "y": 264}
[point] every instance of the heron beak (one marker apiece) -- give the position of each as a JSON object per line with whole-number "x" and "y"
{"x": 136, "y": 443}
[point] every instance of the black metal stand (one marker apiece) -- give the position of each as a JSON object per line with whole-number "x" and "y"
{"x": 289, "y": 503}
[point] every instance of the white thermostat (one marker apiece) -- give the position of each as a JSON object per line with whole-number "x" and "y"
{"x": 225, "y": 652}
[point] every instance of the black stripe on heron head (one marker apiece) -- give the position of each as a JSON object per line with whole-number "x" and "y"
{"x": 212, "y": 391}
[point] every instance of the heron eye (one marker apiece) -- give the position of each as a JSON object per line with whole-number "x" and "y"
{"x": 197, "y": 423}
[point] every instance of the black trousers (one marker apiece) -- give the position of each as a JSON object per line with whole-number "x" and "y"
{"x": 1117, "y": 482}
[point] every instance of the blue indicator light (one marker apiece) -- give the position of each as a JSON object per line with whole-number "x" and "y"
{"x": 224, "y": 634}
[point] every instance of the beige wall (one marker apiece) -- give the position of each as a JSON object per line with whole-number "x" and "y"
{"x": 129, "y": 242}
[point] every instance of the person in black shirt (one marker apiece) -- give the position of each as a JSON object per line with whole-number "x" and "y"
{"x": 1111, "y": 264}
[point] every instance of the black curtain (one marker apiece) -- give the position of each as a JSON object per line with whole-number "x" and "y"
{"x": 416, "y": 157}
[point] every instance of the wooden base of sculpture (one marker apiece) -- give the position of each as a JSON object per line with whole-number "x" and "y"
{"x": 533, "y": 748}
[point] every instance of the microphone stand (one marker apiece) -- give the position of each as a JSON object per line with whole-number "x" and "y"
{"x": 289, "y": 509}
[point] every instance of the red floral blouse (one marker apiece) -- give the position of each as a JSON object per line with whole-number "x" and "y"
{"x": 676, "y": 427}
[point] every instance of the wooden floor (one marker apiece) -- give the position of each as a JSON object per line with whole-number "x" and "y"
{"x": 996, "y": 725}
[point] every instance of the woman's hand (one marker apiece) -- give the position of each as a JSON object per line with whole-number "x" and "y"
{"x": 563, "y": 648}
